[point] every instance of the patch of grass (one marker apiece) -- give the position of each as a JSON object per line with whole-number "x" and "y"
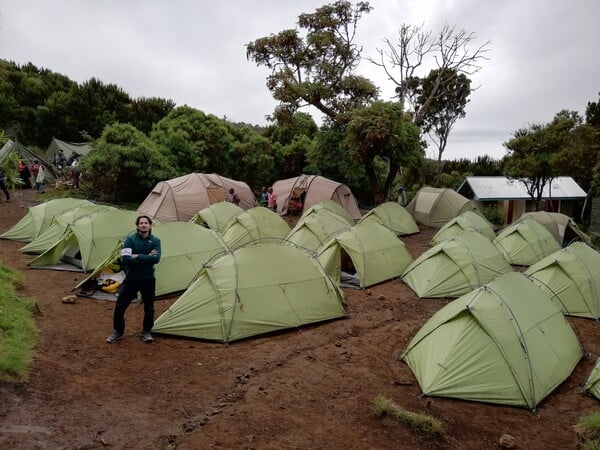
{"x": 422, "y": 424}
{"x": 18, "y": 333}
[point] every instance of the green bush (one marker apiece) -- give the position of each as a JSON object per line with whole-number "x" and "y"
{"x": 494, "y": 214}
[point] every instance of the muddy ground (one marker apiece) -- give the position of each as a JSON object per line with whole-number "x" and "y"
{"x": 307, "y": 388}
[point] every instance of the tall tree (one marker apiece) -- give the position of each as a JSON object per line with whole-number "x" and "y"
{"x": 318, "y": 69}
{"x": 592, "y": 113}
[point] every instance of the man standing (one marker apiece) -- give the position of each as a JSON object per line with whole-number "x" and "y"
{"x": 3, "y": 184}
{"x": 141, "y": 251}
{"x": 271, "y": 199}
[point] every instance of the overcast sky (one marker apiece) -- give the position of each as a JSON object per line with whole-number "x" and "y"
{"x": 543, "y": 53}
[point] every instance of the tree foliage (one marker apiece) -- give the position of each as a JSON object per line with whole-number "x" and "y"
{"x": 319, "y": 68}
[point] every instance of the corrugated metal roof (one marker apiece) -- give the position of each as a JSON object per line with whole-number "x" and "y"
{"x": 503, "y": 188}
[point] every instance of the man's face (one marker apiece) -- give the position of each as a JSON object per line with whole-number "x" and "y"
{"x": 143, "y": 225}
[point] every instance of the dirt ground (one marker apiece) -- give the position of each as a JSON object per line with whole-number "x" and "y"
{"x": 307, "y": 388}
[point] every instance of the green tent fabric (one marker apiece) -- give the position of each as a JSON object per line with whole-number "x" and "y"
{"x": 466, "y": 221}
{"x": 185, "y": 248}
{"x": 331, "y": 206}
{"x": 503, "y": 343}
{"x": 571, "y": 277}
{"x": 562, "y": 227}
{"x": 253, "y": 290}
{"x": 373, "y": 251}
{"x": 456, "y": 266}
{"x": 39, "y": 217}
{"x": 591, "y": 385}
{"x": 27, "y": 156}
{"x": 58, "y": 225}
{"x": 217, "y": 216}
{"x": 435, "y": 207}
{"x": 87, "y": 241}
{"x": 526, "y": 242}
{"x": 315, "y": 229}
{"x": 393, "y": 216}
{"x": 68, "y": 148}
{"x": 253, "y": 225}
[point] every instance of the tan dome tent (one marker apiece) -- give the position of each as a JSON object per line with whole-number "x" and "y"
{"x": 253, "y": 290}
{"x": 179, "y": 199}
{"x": 300, "y": 193}
{"x": 503, "y": 343}
{"x": 434, "y": 206}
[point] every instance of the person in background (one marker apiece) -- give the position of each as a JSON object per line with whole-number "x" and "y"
{"x": 59, "y": 160}
{"x": 402, "y": 196}
{"x": 233, "y": 197}
{"x": 272, "y": 199}
{"x": 139, "y": 254}
{"x": 75, "y": 172}
{"x": 3, "y": 184}
{"x": 264, "y": 197}
{"x": 35, "y": 166}
{"x": 25, "y": 175}
{"x": 39, "y": 179}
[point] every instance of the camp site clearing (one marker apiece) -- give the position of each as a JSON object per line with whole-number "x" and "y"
{"x": 310, "y": 387}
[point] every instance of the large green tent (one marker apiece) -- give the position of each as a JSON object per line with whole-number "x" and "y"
{"x": 562, "y": 227}
{"x": 39, "y": 217}
{"x": 369, "y": 251}
{"x": 455, "y": 266}
{"x": 315, "y": 229}
{"x": 466, "y": 221}
{"x": 58, "y": 225}
{"x": 526, "y": 242}
{"x": 256, "y": 224}
{"x": 217, "y": 216}
{"x": 434, "y": 207}
{"x": 393, "y": 216}
{"x": 87, "y": 241}
{"x": 571, "y": 277}
{"x": 253, "y": 290}
{"x": 591, "y": 385}
{"x": 504, "y": 343}
{"x": 68, "y": 148}
{"x": 185, "y": 247}
{"x": 332, "y": 206}
{"x": 27, "y": 156}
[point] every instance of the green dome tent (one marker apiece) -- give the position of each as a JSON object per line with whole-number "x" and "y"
{"x": 369, "y": 249}
{"x": 38, "y": 218}
{"x": 393, "y": 216}
{"x": 467, "y": 221}
{"x": 456, "y": 266}
{"x": 253, "y": 290}
{"x": 503, "y": 343}
{"x": 436, "y": 206}
{"x": 526, "y": 242}
{"x": 256, "y": 224}
{"x": 58, "y": 226}
{"x": 87, "y": 241}
{"x": 331, "y": 206}
{"x": 317, "y": 228}
{"x": 562, "y": 227}
{"x": 571, "y": 277}
{"x": 217, "y": 216}
{"x": 185, "y": 248}
{"x": 591, "y": 385}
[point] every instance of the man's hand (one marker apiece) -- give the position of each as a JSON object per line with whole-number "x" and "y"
{"x": 153, "y": 252}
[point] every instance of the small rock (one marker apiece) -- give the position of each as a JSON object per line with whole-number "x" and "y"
{"x": 508, "y": 441}
{"x": 381, "y": 297}
{"x": 69, "y": 299}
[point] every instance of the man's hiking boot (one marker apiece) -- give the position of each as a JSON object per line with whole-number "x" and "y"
{"x": 147, "y": 337}
{"x": 114, "y": 337}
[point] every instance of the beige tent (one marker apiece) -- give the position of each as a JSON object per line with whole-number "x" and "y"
{"x": 300, "y": 193}
{"x": 180, "y": 198}
{"x": 436, "y": 206}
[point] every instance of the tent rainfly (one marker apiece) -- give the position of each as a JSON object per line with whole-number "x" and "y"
{"x": 435, "y": 207}
{"x": 180, "y": 198}
{"x": 492, "y": 346}
{"x": 393, "y": 216}
{"x": 39, "y": 217}
{"x": 185, "y": 247}
{"x": 300, "y": 193}
{"x": 87, "y": 241}
{"x": 526, "y": 242}
{"x": 456, "y": 266}
{"x": 466, "y": 221}
{"x": 256, "y": 224}
{"x": 562, "y": 227}
{"x": 58, "y": 226}
{"x": 315, "y": 229}
{"x": 369, "y": 251}
{"x": 27, "y": 156}
{"x": 571, "y": 277}
{"x": 217, "y": 216}
{"x": 251, "y": 291}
